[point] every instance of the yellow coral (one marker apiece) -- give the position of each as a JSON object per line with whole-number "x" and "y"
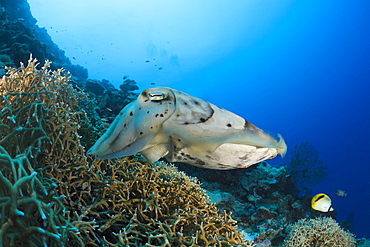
{"x": 320, "y": 232}
{"x": 157, "y": 205}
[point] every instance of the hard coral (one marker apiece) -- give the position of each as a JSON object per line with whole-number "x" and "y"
{"x": 320, "y": 232}
{"x": 32, "y": 213}
{"x": 156, "y": 205}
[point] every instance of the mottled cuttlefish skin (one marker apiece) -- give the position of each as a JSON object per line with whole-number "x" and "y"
{"x": 166, "y": 123}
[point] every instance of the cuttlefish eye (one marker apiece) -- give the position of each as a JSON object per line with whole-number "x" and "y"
{"x": 156, "y": 96}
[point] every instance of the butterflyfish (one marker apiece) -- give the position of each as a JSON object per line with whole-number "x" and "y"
{"x": 321, "y": 202}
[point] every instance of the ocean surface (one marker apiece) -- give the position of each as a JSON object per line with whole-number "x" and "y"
{"x": 298, "y": 68}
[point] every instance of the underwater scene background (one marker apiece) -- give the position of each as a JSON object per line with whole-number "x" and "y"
{"x": 298, "y": 68}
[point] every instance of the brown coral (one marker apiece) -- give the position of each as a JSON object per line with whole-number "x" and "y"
{"x": 155, "y": 204}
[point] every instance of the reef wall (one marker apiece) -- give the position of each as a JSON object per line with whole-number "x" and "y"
{"x": 20, "y": 36}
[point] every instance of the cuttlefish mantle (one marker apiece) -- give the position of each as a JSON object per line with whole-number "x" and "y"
{"x": 166, "y": 123}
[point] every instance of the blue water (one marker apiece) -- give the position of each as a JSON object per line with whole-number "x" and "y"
{"x": 299, "y": 68}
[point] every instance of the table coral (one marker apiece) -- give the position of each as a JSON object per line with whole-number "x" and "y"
{"x": 53, "y": 194}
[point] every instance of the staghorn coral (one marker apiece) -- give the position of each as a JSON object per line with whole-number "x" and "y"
{"x": 30, "y": 210}
{"x": 155, "y": 205}
{"x": 57, "y": 196}
{"x": 319, "y": 232}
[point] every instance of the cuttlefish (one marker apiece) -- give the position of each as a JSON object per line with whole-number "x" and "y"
{"x": 166, "y": 123}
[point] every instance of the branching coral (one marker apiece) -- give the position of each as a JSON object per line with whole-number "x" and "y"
{"x": 32, "y": 212}
{"x": 155, "y": 205}
{"x": 53, "y": 194}
{"x": 320, "y": 232}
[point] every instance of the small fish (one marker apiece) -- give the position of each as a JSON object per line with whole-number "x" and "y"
{"x": 341, "y": 193}
{"x": 164, "y": 122}
{"x": 107, "y": 119}
{"x": 321, "y": 202}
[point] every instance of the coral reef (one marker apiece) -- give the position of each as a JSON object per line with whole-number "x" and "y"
{"x": 363, "y": 242}
{"x": 262, "y": 198}
{"x": 110, "y": 101}
{"x": 323, "y": 232}
{"x": 53, "y": 194}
